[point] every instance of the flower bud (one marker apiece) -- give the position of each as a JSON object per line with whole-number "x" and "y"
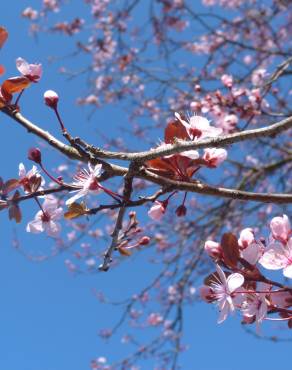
{"x": 213, "y": 249}
{"x": 144, "y": 240}
{"x": 51, "y": 99}
{"x": 35, "y": 155}
{"x": 181, "y": 211}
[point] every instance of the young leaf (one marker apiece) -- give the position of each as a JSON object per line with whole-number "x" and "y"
{"x": 3, "y": 36}
{"x": 75, "y": 210}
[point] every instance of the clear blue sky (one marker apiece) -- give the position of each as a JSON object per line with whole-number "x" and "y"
{"x": 49, "y": 319}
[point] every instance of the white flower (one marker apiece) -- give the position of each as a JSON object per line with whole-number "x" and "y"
{"x": 199, "y": 127}
{"x": 278, "y": 256}
{"x": 30, "y": 178}
{"x": 223, "y": 289}
{"x": 45, "y": 219}
{"x": 87, "y": 182}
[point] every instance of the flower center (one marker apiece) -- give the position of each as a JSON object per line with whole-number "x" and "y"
{"x": 45, "y": 217}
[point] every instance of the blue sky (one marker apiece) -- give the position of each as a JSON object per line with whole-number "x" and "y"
{"x": 49, "y": 319}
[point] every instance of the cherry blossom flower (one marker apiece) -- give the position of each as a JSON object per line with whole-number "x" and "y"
{"x": 258, "y": 76}
{"x": 250, "y": 249}
{"x": 255, "y": 306}
{"x": 214, "y": 156}
{"x": 223, "y": 290}
{"x": 86, "y": 182}
{"x": 45, "y": 219}
{"x": 229, "y": 122}
{"x": 32, "y": 71}
{"x": 280, "y": 228}
{"x": 252, "y": 253}
{"x": 278, "y": 256}
{"x": 154, "y": 319}
{"x": 227, "y": 80}
{"x": 30, "y": 180}
{"x": 157, "y": 211}
{"x": 199, "y": 127}
{"x": 30, "y": 13}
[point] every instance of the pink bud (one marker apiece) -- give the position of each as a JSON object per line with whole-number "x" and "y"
{"x": 35, "y": 155}
{"x": 227, "y": 80}
{"x": 144, "y": 240}
{"x": 181, "y": 211}
{"x": 213, "y": 249}
{"x": 51, "y": 99}
{"x": 246, "y": 237}
{"x": 207, "y": 294}
{"x": 280, "y": 228}
{"x": 197, "y": 88}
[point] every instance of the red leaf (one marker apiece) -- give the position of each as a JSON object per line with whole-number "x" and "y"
{"x": 10, "y": 185}
{"x": 230, "y": 249}
{"x": 14, "y": 84}
{"x": 2, "y": 69}
{"x": 3, "y": 36}
{"x": 175, "y": 130}
{"x": 15, "y": 213}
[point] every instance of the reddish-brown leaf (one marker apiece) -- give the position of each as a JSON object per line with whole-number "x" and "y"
{"x": 124, "y": 252}
{"x": 10, "y": 185}
{"x": 75, "y": 210}
{"x": 174, "y": 130}
{"x": 15, "y": 213}
{"x": 3, "y": 36}
{"x": 160, "y": 165}
{"x": 2, "y": 69}
{"x": 14, "y": 84}
{"x": 230, "y": 249}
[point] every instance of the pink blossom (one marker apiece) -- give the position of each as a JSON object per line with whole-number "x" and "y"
{"x": 45, "y": 219}
{"x": 278, "y": 256}
{"x": 252, "y": 253}
{"x": 255, "y": 306}
{"x": 86, "y": 182}
{"x": 229, "y": 122}
{"x": 227, "y": 80}
{"x": 154, "y": 319}
{"x": 32, "y": 71}
{"x": 246, "y": 237}
{"x": 223, "y": 290}
{"x": 258, "y": 76}
{"x": 214, "y": 156}
{"x": 213, "y": 249}
{"x": 157, "y": 211}
{"x": 30, "y": 179}
{"x": 199, "y": 127}
{"x": 30, "y": 13}
{"x": 280, "y": 228}
{"x": 251, "y": 250}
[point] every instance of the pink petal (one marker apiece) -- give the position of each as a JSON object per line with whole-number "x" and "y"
{"x": 274, "y": 258}
{"x": 234, "y": 281}
{"x": 35, "y": 227}
{"x": 288, "y": 271}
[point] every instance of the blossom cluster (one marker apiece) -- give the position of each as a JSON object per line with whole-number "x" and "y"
{"x": 182, "y": 166}
{"x": 243, "y": 285}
